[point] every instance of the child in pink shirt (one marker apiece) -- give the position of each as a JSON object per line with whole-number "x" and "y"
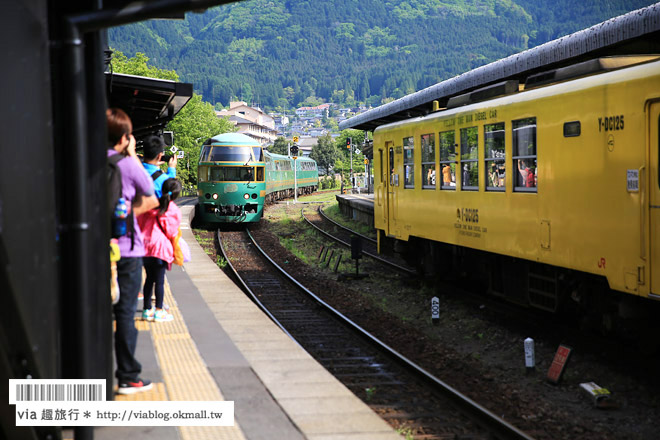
{"x": 158, "y": 226}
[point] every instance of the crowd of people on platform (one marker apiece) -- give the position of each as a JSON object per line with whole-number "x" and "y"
{"x": 147, "y": 244}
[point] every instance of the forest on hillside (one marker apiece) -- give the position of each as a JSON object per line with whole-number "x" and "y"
{"x": 287, "y": 53}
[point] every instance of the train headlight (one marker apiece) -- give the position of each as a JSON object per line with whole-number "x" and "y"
{"x": 215, "y": 196}
{"x": 254, "y": 196}
{"x": 208, "y": 196}
{"x": 246, "y": 196}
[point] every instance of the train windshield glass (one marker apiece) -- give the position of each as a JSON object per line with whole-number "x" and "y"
{"x": 229, "y": 154}
{"x": 230, "y": 174}
{"x": 258, "y": 154}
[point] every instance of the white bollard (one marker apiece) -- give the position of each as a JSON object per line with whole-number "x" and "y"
{"x": 435, "y": 310}
{"x": 530, "y": 361}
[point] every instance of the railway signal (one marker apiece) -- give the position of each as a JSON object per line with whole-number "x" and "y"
{"x": 348, "y": 143}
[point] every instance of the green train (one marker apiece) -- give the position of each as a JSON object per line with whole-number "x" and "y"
{"x": 236, "y": 176}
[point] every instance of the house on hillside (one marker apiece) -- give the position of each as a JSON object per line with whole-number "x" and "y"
{"x": 251, "y": 121}
{"x": 318, "y": 111}
{"x": 306, "y": 144}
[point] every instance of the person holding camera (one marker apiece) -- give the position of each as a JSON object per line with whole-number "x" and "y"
{"x": 138, "y": 191}
{"x": 153, "y": 158}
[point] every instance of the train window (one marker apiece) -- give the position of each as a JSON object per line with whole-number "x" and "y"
{"x": 428, "y": 161}
{"x": 448, "y": 159}
{"x": 572, "y": 129}
{"x": 260, "y": 174}
{"x": 409, "y": 162}
{"x": 230, "y": 154}
{"x": 258, "y": 154}
{"x": 524, "y": 154}
{"x": 230, "y": 174}
{"x": 204, "y": 153}
{"x": 391, "y": 167}
{"x": 470, "y": 158}
{"x": 203, "y": 174}
{"x": 494, "y": 158}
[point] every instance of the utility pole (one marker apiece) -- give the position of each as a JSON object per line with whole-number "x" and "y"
{"x": 350, "y": 146}
{"x": 294, "y": 150}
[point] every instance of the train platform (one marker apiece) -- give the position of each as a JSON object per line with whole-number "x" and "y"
{"x": 221, "y": 347}
{"x": 359, "y": 207}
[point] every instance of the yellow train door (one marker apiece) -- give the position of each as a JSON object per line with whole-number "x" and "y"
{"x": 654, "y": 196}
{"x": 382, "y": 191}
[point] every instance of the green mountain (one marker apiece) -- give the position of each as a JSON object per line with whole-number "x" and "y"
{"x": 283, "y": 53}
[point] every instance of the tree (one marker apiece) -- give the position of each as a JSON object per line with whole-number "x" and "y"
{"x": 138, "y": 66}
{"x": 324, "y": 153}
{"x": 280, "y": 146}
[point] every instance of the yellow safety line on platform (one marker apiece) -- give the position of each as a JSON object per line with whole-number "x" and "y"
{"x": 184, "y": 372}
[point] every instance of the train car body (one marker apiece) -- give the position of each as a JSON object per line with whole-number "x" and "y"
{"x": 231, "y": 179}
{"x": 550, "y": 190}
{"x": 280, "y": 178}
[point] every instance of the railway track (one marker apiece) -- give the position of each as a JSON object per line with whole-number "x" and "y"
{"x": 342, "y": 235}
{"x": 404, "y": 394}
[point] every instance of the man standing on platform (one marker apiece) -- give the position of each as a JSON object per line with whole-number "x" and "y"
{"x": 138, "y": 191}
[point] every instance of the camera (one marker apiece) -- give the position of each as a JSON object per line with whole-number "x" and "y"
{"x": 167, "y": 157}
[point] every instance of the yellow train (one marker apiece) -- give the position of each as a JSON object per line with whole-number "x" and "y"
{"x": 549, "y": 190}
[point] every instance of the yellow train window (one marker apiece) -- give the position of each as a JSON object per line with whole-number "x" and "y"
{"x": 494, "y": 158}
{"x": 447, "y": 148}
{"x": 428, "y": 161}
{"x": 470, "y": 159}
{"x": 408, "y": 162}
{"x": 524, "y": 154}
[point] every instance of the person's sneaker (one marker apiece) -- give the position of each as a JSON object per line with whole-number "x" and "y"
{"x": 148, "y": 314}
{"x": 134, "y": 387}
{"x": 162, "y": 316}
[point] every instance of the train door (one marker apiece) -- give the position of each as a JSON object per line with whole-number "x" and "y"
{"x": 654, "y": 196}
{"x": 392, "y": 182}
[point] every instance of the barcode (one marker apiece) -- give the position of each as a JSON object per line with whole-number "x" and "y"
{"x": 58, "y": 390}
{"x": 61, "y": 393}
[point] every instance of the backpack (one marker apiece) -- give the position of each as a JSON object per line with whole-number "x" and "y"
{"x": 114, "y": 181}
{"x": 115, "y": 192}
{"x": 177, "y": 242}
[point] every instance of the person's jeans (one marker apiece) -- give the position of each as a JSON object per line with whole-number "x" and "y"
{"x": 129, "y": 277}
{"x": 155, "y": 268}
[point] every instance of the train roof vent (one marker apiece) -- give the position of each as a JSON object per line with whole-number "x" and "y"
{"x": 590, "y": 67}
{"x": 492, "y": 91}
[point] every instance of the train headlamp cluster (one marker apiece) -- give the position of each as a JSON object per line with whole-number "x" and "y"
{"x": 246, "y": 196}
{"x": 215, "y": 196}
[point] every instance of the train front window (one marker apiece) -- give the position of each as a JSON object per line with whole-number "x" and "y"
{"x": 524, "y": 155}
{"x": 230, "y": 154}
{"x": 409, "y": 162}
{"x": 204, "y": 153}
{"x": 494, "y": 160}
{"x": 258, "y": 154}
{"x": 448, "y": 159}
{"x": 231, "y": 174}
{"x": 470, "y": 158}
{"x": 260, "y": 174}
{"x": 203, "y": 173}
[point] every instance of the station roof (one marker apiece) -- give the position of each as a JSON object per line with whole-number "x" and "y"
{"x": 151, "y": 103}
{"x": 637, "y": 32}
